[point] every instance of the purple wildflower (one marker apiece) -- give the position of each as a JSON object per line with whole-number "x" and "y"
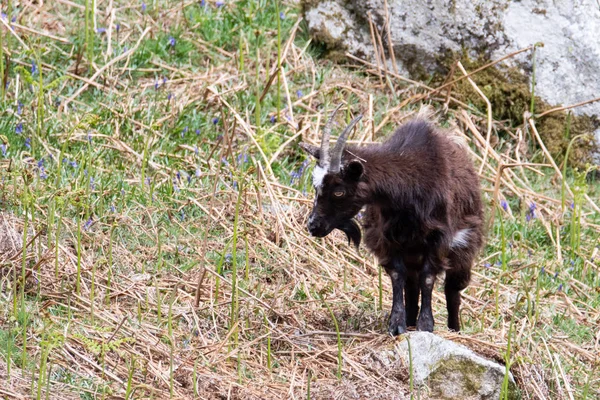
{"x": 100, "y": 30}
{"x": 487, "y": 265}
{"x": 34, "y": 68}
{"x": 196, "y": 150}
{"x": 169, "y": 96}
{"x": 92, "y": 183}
{"x": 118, "y": 27}
{"x": 155, "y": 85}
{"x": 164, "y": 80}
{"x": 543, "y": 270}
{"x": 282, "y": 15}
{"x": 113, "y": 208}
{"x": 3, "y": 15}
{"x": 560, "y": 287}
{"x": 273, "y": 119}
{"x": 198, "y": 173}
{"x": 19, "y": 128}
{"x": 299, "y": 93}
{"x": 147, "y": 180}
{"x": 197, "y": 131}
{"x": 219, "y": 4}
{"x": 504, "y": 205}
{"x": 171, "y": 41}
{"x": 182, "y": 215}
{"x": 143, "y": 7}
{"x": 572, "y": 205}
{"x": 3, "y": 147}
{"x": 28, "y": 143}
{"x": 88, "y": 224}
{"x": 89, "y": 137}
{"x": 73, "y": 164}
{"x": 19, "y": 107}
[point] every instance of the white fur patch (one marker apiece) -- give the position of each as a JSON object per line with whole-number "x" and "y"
{"x": 461, "y": 238}
{"x": 318, "y": 175}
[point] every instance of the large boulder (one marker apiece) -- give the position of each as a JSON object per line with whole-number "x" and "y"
{"x": 424, "y": 33}
{"x": 448, "y": 370}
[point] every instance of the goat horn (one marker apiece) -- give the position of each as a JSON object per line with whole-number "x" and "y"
{"x": 336, "y": 155}
{"x": 324, "y": 155}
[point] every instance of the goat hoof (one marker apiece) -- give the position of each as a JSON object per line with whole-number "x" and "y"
{"x": 397, "y": 330}
{"x": 425, "y": 325}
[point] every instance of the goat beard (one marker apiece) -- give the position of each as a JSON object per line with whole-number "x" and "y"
{"x": 352, "y": 231}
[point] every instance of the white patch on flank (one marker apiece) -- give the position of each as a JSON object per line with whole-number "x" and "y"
{"x": 318, "y": 175}
{"x": 461, "y": 238}
{"x": 429, "y": 281}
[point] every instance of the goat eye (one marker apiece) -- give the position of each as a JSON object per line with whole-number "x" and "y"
{"x": 339, "y": 194}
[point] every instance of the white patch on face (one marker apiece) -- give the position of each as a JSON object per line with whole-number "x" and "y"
{"x": 461, "y": 238}
{"x": 429, "y": 281}
{"x": 318, "y": 175}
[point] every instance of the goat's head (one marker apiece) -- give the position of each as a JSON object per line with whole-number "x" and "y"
{"x": 338, "y": 186}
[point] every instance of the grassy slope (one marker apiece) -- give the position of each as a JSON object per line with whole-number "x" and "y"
{"x": 168, "y": 171}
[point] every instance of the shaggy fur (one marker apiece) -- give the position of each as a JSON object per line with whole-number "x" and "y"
{"x": 423, "y": 216}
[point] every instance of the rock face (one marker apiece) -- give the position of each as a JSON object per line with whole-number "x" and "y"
{"x": 447, "y": 369}
{"x": 424, "y": 33}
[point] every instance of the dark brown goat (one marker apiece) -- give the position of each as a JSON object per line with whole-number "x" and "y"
{"x": 423, "y": 212}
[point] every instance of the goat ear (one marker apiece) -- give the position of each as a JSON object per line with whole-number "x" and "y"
{"x": 353, "y": 170}
{"x": 313, "y": 150}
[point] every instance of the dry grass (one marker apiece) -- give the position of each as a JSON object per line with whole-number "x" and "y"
{"x": 153, "y": 317}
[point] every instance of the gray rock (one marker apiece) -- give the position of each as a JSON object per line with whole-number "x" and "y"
{"x": 423, "y": 33}
{"x": 448, "y": 370}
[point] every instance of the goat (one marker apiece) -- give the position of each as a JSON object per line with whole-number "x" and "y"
{"x": 423, "y": 212}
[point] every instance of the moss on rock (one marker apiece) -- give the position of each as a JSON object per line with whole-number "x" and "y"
{"x": 509, "y": 92}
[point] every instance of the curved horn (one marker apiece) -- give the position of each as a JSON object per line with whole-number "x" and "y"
{"x": 324, "y": 155}
{"x": 336, "y": 154}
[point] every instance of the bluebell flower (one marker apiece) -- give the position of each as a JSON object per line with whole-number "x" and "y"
{"x": 169, "y": 96}
{"x": 228, "y": 258}
{"x": 224, "y": 161}
{"x": 89, "y": 137}
{"x": 155, "y": 85}
{"x": 143, "y": 7}
{"x": 572, "y": 205}
{"x": 19, "y": 107}
{"x": 34, "y": 68}
{"x": 113, "y": 208}
{"x": 118, "y": 27}
{"x": 40, "y": 163}
{"x": 196, "y": 150}
{"x": 272, "y": 119}
{"x": 487, "y": 265}
{"x": 13, "y": 19}
{"x": 100, "y": 30}
{"x": 43, "y": 174}
{"x": 125, "y": 49}
{"x": 178, "y": 175}
{"x": 19, "y": 128}
{"x": 175, "y": 187}
{"x": 189, "y": 179}
{"x": 215, "y": 121}
{"x": 282, "y": 15}
{"x": 299, "y": 93}
{"x": 171, "y": 41}
{"x": 73, "y": 163}
{"x": 182, "y": 215}
{"x": 560, "y": 287}
{"x": 122, "y": 192}
{"x": 543, "y": 270}
{"x": 3, "y": 15}
{"x": 3, "y": 147}
{"x": 85, "y": 172}
{"x": 198, "y": 172}
{"x": 28, "y": 143}
{"x": 92, "y": 183}
{"x": 197, "y": 131}
{"x": 556, "y": 275}
{"x": 88, "y": 224}
{"x": 220, "y": 3}
{"x": 504, "y": 205}
{"x": 147, "y": 180}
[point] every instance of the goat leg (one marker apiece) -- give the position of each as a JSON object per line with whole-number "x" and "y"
{"x": 426, "y": 282}
{"x": 411, "y": 299}
{"x": 397, "y": 273}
